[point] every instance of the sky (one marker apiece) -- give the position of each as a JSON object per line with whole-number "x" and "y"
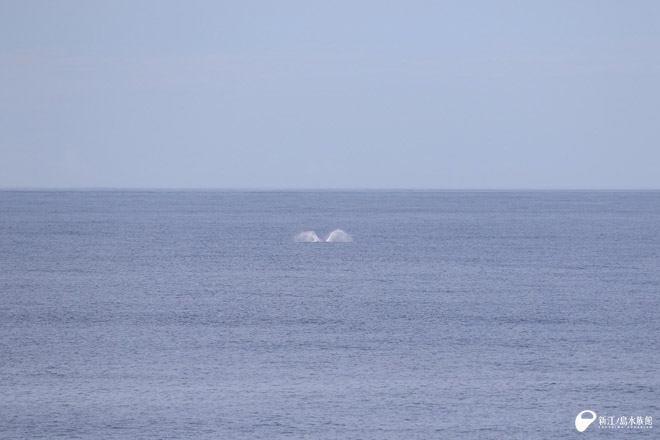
{"x": 413, "y": 94}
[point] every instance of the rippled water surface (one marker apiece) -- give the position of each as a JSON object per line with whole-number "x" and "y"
{"x": 196, "y": 315}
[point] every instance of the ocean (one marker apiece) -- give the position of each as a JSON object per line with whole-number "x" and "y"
{"x": 451, "y": 314}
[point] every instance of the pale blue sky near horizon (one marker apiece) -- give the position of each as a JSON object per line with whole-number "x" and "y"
{"x": 308, "y": 94}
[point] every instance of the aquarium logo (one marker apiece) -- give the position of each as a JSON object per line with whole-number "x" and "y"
{"x": 584, "y": 419}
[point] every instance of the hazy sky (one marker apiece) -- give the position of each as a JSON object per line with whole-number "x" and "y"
{"x": 332, "y": 94}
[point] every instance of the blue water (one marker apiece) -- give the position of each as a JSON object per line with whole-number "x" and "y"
{"x": 195, "y": 315}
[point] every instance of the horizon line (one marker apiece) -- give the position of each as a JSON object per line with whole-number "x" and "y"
{"x": 299, "y": 189}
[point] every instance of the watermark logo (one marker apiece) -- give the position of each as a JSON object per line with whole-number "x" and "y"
{"x": 587, "y": 417}
{"x": 584, "y": 419}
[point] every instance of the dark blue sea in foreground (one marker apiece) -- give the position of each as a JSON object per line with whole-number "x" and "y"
{"x": 458, "y": 315}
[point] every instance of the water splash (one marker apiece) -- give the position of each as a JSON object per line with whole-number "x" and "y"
{"x": 307, "y": 237}
{"x": 339, "y": 236}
